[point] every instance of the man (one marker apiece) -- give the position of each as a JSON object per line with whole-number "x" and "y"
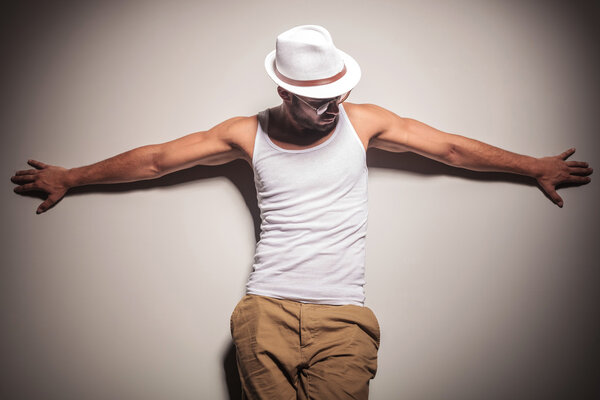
{"x": 302, "y": 330}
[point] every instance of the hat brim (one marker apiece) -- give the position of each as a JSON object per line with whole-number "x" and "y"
{"x": 337, "y": 88}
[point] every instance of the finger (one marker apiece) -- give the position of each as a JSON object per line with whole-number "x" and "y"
{"x": 580, "y": 171}
{"x": 577, "y": 164}
{"x": 46, "y": 205}
{"x": 26, "y": 188}
{"x": 568, "y": 153}
{"x": 26, "y": 172}
{"x": 20, "y": 179}
{"x": 553, "y": 195}
{"x": 579, "y": 179}
{"x": 36, "y": 164}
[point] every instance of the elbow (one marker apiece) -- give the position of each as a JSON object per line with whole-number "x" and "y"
{"x": 451, "y": 155}
{"x": 154, "y": 164}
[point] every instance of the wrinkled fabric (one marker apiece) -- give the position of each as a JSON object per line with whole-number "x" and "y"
{"x": 291, "y": 350}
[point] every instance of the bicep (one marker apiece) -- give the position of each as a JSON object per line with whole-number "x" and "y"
{"x": 400, "y": 134}
{"x": 212, "y": 147}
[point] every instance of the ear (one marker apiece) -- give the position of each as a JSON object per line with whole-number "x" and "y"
{"x": 284, "y": 94}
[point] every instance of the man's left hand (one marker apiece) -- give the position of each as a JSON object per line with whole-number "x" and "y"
{"x": 556, "y": 171}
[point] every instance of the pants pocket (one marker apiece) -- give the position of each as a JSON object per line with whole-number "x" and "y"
{"x": 375, "y": 324}
{"x": 235, "y": 313}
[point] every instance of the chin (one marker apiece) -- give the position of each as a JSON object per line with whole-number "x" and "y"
{"x": 320, "y": 124}
{"x": 329, "y": 121}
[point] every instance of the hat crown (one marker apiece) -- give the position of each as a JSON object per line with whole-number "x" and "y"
{"x": 307, "y": 52}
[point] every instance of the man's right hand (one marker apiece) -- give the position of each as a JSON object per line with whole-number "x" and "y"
{"x": 45, "y": 178}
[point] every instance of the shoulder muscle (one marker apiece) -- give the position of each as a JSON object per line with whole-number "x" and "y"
{"x": 371, "y": 121}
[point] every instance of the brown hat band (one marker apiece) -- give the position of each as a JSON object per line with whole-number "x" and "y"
{"x": 316, "y": 82}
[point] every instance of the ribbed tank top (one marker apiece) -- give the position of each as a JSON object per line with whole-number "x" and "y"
{"x": 313, "y": 206}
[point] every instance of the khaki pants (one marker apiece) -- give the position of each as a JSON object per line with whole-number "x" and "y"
{"x": 290, "y": 350}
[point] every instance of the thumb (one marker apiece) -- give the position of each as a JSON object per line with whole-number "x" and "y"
{"x": 47, "y": 204}
{"x": 551, "y": 192}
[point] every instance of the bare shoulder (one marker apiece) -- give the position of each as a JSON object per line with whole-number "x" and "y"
{"x": 236, "y": 128}
{"x": 370, "y": 120}
{"x": 238, "y": 132}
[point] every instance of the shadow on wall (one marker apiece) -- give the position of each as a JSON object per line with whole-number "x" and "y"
{"x": 241, "y": 175}
{"x": 238, "y": 172}
{"x": 234, "y": 386}
{"x": 415, "y": 164}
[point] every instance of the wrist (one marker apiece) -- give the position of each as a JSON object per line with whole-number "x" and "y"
{"x": 531, "y": 166}
{"x": 71, "y": 178}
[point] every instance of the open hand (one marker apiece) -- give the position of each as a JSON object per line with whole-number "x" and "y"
{"x": 556, "y": 171}
{"x": 45, "y": 178}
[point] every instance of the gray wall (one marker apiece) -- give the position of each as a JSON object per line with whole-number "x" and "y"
{"x": 483, "y": 288}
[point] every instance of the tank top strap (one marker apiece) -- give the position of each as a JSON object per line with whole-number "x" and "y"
{"x": 263, "y": 120}
{"x": 260, "y": 141}
{"x": 348, "y": 125}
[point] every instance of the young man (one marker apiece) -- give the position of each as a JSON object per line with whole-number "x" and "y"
{"x": 302, "y": 330}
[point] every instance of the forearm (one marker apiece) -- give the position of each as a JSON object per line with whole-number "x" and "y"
{"x": 548, "y": 171}
{"x": 478, "y": 156}
{"x": 457, "y": 150}
{"x": 134, "y": 165}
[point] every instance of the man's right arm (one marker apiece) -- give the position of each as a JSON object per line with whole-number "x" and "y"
{"x": 228, "y": 141}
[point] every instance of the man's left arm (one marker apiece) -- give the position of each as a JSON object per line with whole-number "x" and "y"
{"x": 388, "y": 131}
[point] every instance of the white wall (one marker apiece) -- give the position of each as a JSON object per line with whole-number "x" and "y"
{"x": 483, "y": 288}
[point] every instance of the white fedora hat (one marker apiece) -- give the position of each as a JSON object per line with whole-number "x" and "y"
{"x": 306, "y": 62}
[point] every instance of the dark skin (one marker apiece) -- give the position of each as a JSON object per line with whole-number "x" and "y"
{"x": 293, "y": 123}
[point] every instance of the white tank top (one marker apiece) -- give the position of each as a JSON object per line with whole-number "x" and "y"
{"x": 313, "y": 206}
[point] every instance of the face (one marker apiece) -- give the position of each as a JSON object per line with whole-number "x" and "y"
{"x": 302, "y": 110}
{"x": 306, "y": 110}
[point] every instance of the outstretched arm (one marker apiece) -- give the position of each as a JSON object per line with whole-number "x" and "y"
{"x": 388, "y": 131}
{"x": 223, "y": 143}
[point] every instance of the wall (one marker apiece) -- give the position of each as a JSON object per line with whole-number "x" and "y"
{"x": 483, "y": 288}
